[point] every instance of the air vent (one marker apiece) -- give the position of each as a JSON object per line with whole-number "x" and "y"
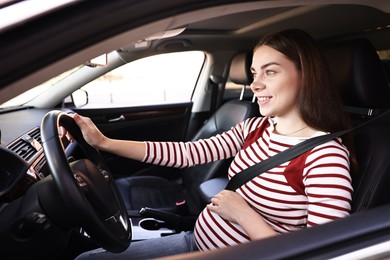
{"x": 36, "y": 134}
{"x": 27, "y": 145}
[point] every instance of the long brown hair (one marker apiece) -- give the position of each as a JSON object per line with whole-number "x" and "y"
{"x": 320, "y": 104}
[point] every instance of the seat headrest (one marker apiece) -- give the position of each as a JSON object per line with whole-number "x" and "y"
{"x": 358, "y": 73}
{"x": 386, "y": 67}
{"x": 240, "y": 72}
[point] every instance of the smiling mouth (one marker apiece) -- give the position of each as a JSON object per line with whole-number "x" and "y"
{"x": 263, "y": 98}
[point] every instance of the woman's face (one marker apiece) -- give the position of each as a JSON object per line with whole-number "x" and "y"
{"x": 276, "y": 82}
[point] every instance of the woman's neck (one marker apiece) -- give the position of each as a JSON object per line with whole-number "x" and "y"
{"x": 292, "y": 127}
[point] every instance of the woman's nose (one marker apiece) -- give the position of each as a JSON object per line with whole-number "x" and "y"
{"x": 257, "y": 85}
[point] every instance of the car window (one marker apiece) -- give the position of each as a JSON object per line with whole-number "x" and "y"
{"x": 384, "y": 54}
{"x": 385, "y": 58}
{"x": 159, "y": 79}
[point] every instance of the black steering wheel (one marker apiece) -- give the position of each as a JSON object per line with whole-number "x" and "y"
{"x": 86, "y": 186}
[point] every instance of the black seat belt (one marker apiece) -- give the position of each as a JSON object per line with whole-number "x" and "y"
{"x": 214, "y": 82}
{"x": 255, "y": 170}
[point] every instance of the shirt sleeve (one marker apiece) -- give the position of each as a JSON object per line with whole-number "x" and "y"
{"x": 188, "y": 154}
{"x": 328, "y": 184}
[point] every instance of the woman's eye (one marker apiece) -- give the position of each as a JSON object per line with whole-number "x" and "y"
{"x": 269, "y": 72}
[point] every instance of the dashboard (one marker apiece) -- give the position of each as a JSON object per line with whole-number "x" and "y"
{"x": 22, "y": 157}
{"x": 33, "y": 208}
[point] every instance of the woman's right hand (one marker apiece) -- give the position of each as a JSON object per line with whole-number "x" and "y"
{"x": 131, "y": 149}
{"x": 91, "y": 133}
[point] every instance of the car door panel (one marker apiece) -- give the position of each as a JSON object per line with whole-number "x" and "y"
{"x": 168, "y": 122}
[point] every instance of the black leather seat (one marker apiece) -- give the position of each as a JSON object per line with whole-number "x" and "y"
{"x": 162, "y": 194}
{"x": 358, "y": 73}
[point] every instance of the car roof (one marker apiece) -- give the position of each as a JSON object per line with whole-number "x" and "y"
{"x": 26, "y": 10}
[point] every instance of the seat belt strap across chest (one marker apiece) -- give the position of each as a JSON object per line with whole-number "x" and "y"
{"x": 255, "y": 170}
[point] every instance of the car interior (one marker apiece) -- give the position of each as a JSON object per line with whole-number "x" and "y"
{"x": 158, "y": 193}
{"x": 361, "y": 72}
{"x": 50, "y": 211}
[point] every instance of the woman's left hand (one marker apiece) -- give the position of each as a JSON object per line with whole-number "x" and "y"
{"x": 232, "y": 207}
{"x": 229, "y": 205}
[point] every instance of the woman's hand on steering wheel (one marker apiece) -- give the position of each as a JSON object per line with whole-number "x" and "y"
{"x": 91, "y": 133}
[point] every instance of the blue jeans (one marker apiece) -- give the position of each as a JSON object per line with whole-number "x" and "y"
{"x": 150, "y": 248}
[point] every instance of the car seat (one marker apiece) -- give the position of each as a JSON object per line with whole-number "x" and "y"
{"x": 182, "y": 197}
{"x": 358, "y": 73}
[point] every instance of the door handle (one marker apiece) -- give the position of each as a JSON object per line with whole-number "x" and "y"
{"x": 116, "y": 119}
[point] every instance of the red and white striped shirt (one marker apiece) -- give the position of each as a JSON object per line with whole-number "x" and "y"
{"x": 311, "y": 189}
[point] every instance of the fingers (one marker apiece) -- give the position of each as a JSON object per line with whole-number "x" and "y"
{"x": 214, "y": 201}
{"x": 83, "y": 122}
{"x": 212, "y": 207}
{"x": 222, "y": 194}
{"x": 78, "y": 119}
{"x": 219, "y": 198}
{"x": 63, "y": 132}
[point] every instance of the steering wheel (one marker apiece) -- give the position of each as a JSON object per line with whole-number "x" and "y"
{"x": 86, "y": 185}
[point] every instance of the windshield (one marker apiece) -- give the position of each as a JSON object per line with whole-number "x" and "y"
{"x": 30, "y": 94}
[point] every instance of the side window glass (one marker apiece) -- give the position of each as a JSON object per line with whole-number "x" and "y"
{"x": 164, "y": 78}
{"x": 385, "y": 58}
